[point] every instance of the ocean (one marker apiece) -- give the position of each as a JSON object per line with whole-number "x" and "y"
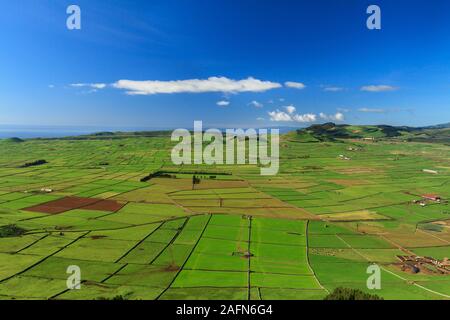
{"x": 30, "y": 132}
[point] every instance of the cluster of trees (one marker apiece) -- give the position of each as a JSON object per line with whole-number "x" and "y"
{"x": 33, "y": 163}
{"x": 170, "y": 174}
{"x": 11, "y": 231}
{"x": 351, "y": 294}
{"x": 115, "y": 298}
{"x": 157, "y": 174}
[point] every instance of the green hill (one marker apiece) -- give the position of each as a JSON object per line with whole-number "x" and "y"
{"x": 14, "y": 140}
{"x": 439, "y": 126}
{"x": 333, "y": 132}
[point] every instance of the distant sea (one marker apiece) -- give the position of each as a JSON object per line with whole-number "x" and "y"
{"x": 30, "y": 132}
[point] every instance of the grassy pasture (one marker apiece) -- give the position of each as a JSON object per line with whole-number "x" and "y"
{"x": 315, "y": 226}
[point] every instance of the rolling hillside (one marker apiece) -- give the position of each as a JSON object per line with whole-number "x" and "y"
{"x": 332, "y": 132}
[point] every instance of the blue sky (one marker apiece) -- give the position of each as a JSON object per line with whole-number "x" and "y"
{"x": 260, "y": 58}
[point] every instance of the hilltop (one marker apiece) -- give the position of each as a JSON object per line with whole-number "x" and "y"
{"x": 439, "y": 126}
{"x": 14, "y": 140}
{"x": 332, "y": 132}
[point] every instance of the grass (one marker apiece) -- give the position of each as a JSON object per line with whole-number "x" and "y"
{"x": 314, "y": 227}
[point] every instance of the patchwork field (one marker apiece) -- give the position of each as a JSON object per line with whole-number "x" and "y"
{"x": 317, "y": 225}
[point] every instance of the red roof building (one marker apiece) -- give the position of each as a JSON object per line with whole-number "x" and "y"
{"x": 432, "y": 197}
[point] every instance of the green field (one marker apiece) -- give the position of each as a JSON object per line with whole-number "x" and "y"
{"x": 314, "y": 227}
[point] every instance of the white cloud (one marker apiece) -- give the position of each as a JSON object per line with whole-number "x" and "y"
{"x": 223, "y": 103}
{"x": 295, "y": 85}
{"x": 256, "y": 104}
{"x": 333, "y": 89}
{"x": 343, "y": 110}
{"x": 372, "y": 110}
{"x": 278, "y": 115}
{"x": 338, "y": 116}
{"x": 290, "y": 109}
{"x": 51, "y": 86}
{"x": 260, "y": 119}
{"x": 281, "y": 116}
{"x": 309, "y": 117}
{"x": 281, "y": 99}
{"x": 89, "y": 85}
{"x": 98, "y": 85}
{"x": 212, "y": 84}
{"x": 291, "y": 116}
{"x": 378, "y": 88}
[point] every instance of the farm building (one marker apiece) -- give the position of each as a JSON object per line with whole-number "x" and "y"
{"x": 416, "y": 264}
{"x": 427, "y": 198}
{"x": 432, "y": 197}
